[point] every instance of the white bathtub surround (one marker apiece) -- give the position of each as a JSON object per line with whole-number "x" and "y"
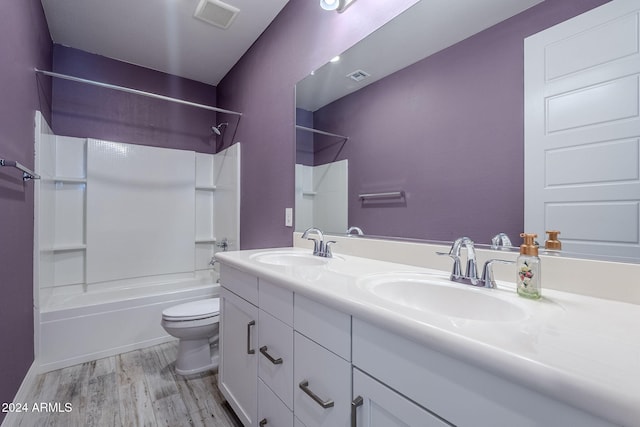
{"x": 140, "y": 212}
{"x": 122, "y": 232}
{"x": 567, "y": 359}
{"x": 322, "y": 196}
{"x": 601, "y": 279}
{"x": 77, "y": 328}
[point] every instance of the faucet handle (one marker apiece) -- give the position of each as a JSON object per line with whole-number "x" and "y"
{"x": 488, "y": 279}
{"x": 327, "y": 249}
{"x": 317, "y": 245}
{"x": 456, "y": 272}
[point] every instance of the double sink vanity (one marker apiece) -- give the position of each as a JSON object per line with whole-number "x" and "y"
{"x": 308, "y": 340}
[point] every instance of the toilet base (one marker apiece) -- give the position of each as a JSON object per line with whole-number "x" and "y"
{"x": 195, "y": 356}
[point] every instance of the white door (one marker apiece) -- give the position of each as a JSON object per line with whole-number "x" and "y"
{"x": 375, "y": 405}
{"x": 582, "y": 131}
{"x": 238, "y": 371}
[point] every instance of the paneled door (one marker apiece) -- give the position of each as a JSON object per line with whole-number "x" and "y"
{"x": 582, "y": 131}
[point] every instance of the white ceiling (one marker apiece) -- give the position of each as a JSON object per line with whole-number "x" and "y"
{"x": 160, "y": 34}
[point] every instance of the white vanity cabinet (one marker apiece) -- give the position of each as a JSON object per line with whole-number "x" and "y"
{"x": 457, "y": 391}
{"x": 377, "y": 405}
{"x": 238, "y": 368}
{"x": 238, "y": 360}
{"x": 322, "y": 354}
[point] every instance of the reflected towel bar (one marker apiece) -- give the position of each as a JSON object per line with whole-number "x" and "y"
{"x": 26, "y": 173}
{"x": 388, "y": 195}
{"x": 136, "y": 91}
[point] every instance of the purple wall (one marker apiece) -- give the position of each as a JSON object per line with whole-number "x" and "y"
{"x": 24, "y": 44}
{"x": 88, "y": 111}
{"x": 450, "y": 129}
{"x": 261, "y": 85}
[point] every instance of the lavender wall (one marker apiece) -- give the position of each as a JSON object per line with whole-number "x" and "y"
{"x": 24, "y": 44}
{"x": 465, "y": 103}
{"x": 261, "y": 85}
{"x": 88, "y": 111}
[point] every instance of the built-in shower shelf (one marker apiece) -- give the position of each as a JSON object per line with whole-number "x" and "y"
{"x": 206, "y": 187}
{"x": 207, "y": 240}
{"x": 69, "y": 179}
{"x": 68, "y": 248}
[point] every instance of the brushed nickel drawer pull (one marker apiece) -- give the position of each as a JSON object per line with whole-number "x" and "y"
{"x": 249, "y": 349}
{"x": 263, "y": 422}
{"x": 355, "y": 403}
{"x": 277, "y": 361}
{"x": 304, "y": 386}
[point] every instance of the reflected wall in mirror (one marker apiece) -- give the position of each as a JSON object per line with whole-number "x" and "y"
{"x": 447, "y": 130}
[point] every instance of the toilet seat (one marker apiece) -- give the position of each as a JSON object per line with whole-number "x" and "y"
{"x": 195, "y": 310}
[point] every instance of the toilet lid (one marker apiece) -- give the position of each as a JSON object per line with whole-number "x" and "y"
{"x": 193, "y": 310}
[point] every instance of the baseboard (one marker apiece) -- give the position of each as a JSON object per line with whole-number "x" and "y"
{"x": 13, "y": 418}
{"x": 47, "y": 367}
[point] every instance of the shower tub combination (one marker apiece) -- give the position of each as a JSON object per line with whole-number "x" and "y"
{"x": 123, "y": 231}
{"x": 76, "y": 328}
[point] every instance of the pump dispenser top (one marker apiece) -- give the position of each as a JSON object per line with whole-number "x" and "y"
{"x": 529, "y": 246}
{"x": 553, "y": 243}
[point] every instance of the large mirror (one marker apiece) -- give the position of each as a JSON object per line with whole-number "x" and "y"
{"x": 417, "y": 131}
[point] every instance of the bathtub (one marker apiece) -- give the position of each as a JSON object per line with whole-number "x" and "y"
{"x": 85, "y": 325}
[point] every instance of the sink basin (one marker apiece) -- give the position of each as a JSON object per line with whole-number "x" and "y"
{"x": 428, "y": 293}
{"x": 289, "y": 258}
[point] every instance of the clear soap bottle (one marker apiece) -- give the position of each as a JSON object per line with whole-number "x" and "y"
{"x": 529, "y": 283}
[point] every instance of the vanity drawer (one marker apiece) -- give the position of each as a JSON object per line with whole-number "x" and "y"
{"x": 240, "y": 283}
{"x": 276, "y": 342}
{"x": 276, "y": 301}
{"x": 327, "y": 380}
{"x": 271, "y": 409}
{"x": 326, "y": 326}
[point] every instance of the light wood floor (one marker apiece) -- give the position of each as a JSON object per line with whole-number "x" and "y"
{"x": 139, "y": 388}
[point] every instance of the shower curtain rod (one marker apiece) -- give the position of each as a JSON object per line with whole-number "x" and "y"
{"x": 321, "y": 132}
{"x": 135, "y": 91}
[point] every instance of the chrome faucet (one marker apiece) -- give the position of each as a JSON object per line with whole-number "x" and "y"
{"x": 471, "y": 273}
{"x": 355, "y": 230}
{"x": 320, "y": 248}
{"x": 470, "y": 276}
{"x": 500, "y": 240}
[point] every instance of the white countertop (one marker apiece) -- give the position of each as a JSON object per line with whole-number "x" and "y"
{"x": 580, "y": 350}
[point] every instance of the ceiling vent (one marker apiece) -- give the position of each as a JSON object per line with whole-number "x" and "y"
{"x": 358, "y": 75}
{"x": 216, "y": 13}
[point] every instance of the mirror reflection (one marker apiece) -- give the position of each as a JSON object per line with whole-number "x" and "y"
{"x": 429, "y": 145}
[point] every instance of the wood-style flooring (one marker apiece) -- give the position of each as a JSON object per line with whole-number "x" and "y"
{"x": 139, "y": 388}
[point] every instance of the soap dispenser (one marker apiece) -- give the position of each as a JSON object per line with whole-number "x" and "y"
{"x": 553, "y": 243}
{"x": 529, "y": 283}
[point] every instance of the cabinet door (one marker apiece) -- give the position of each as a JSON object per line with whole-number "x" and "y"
{"x": 382, "y": 407}
{"x": 275, "y": 362}
{"x": 322, "y": 385}
{"x": 271, "y": 411}
{"x": 238, "y": 372}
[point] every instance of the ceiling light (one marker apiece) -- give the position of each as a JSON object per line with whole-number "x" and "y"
{"x": 335, "y": 59}
{"x": 329, "y": 4}
{"x": 339, "y": 5}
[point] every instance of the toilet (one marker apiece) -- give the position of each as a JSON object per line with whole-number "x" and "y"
{"x": 195, "y": 324}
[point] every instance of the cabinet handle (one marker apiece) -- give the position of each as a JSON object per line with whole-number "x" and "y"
{"x": 358, "y": 401}
{"x": 249, "y": 349}
{"x": 277, "y": 361}
{"x": 263, "y": 422}
{"x": 304, "y": 386}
